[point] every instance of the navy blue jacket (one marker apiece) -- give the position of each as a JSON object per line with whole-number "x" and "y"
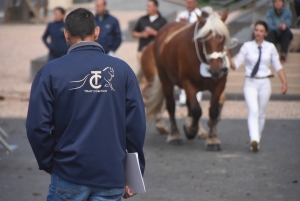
{"x": 85, "y": 110}
{"x": 58, "y": 46}
{"x": 110, "y": 33}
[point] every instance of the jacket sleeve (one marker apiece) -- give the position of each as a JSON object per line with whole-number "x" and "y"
{"x": 288, "y": 18}
{"x": 39, "y": 123}
{"x": 135, "y": 119}
{"x": 117, "y": 36}
{"x": 45, "y": 36}
{"x": 271, "y": 22}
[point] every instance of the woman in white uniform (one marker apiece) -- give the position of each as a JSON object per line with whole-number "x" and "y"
{"x": 258, "y": 55}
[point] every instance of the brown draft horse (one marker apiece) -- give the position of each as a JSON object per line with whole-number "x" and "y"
{"x": 178, "y": 55}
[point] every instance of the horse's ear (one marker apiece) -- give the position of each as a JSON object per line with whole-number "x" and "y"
{"x": 225, "y": 15}
{"x": 201, "y": 20}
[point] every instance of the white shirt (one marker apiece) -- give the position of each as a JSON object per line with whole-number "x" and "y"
{"x": 249, "y": 54}
{"x": 153, "y": 18}
{"x": 192, "y": 18}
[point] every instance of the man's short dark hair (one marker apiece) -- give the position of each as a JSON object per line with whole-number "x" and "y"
{"x": 61, "y": 10}
{"x": 80, "y": 22}
{"x": 155, "y": 2}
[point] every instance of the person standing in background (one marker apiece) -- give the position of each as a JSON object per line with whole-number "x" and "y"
{"x": 55, "y": 30}
{"x": 191, "y": 12}
{"x": 279, "y": 20}
{"x": 297, "y": 7}
{"x": 147, "y": 28}
{"x": 110, "y": 37}
{"x": 189, "y": 16}
{"x": 258, "y": 55}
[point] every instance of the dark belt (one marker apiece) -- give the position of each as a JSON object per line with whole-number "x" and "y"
{"x": 269, "y": 76}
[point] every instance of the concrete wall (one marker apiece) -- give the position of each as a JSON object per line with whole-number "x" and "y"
{"x": 63, "y": 3}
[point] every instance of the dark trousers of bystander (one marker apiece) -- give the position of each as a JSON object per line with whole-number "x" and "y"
{"x": 282, "y": 37}
{"x": 297, "y": 8}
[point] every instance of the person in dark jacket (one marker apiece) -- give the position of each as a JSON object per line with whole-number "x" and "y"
{"x": 110, "y": 37}
{"x": 85, "y": 111}
{"x": 297, "y": 7}
{"x": 279, "y": 21}
{"x": 55, "y": 30}
{"x": 147, "y": 28}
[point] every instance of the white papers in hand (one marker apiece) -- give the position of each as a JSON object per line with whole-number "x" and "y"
{"x": 133, "y": 176}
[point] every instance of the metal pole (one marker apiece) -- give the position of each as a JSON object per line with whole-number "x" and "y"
{"x": 4, "y": 143}
{"x": 14, "y": 10}
{"x": 3, "y": 133}
{"x": 7, "y": 13}
{"x": 38, "y": 6}
{"x": 45, "y": 9}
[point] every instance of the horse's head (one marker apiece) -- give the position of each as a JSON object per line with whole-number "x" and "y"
{"x": 214, "y": 38}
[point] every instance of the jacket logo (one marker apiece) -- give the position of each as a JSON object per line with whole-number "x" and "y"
{"x": 95, "y": 80}
{"x": 95, "y": 77}
{"x": 108, "y": 26}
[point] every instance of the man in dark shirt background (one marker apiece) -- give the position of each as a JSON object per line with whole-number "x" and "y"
{"x": 55, "y": 31}
{"x": 110, "y": 36}
{"x": 147, "y": 28}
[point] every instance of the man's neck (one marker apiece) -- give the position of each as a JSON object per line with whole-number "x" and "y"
{"x": 153, "y": 14}
{"x": 192, "y": 10}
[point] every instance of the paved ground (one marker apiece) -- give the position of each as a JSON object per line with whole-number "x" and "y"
{"x": 186, "y": 172}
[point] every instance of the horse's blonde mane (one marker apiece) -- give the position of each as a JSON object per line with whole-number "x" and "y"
{"x": 215, "y": 25}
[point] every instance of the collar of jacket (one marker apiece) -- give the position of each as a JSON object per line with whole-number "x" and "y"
{"x": 85, "y": 43}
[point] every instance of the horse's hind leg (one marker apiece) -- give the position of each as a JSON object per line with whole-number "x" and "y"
{"x": 168, "y": 88}
{"x": 160, "y": 124}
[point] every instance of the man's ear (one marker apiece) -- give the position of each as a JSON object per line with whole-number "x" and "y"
{"x": 97, "y": 32}
{"x": 67, "y": 35}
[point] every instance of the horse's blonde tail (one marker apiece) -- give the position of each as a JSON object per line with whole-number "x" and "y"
{"x": 154, "y": 98}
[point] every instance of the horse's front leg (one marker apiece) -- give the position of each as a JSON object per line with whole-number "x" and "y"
{"x": 194, "y": 111}
{"x": 214, "y": 113}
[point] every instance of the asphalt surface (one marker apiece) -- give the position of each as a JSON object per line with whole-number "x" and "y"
{"x": 187, "y": 172}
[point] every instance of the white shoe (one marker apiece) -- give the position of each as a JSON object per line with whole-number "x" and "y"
{"x": 254, "y": 146}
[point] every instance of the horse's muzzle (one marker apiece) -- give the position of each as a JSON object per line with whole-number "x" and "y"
{"x": 218, "y": 73}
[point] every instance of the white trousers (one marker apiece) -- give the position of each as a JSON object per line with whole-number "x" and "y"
{"x": 257, "y": 94}
{"x": 182, "y": 97}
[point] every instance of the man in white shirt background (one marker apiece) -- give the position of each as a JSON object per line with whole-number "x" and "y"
{"x": 189, "y": 16}
{"x": 191, "y": 12}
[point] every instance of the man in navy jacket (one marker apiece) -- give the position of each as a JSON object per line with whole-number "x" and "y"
{"x": 55, "y": 30}
{"x": 110, "y": 37}
{"x": 85, "y": 111}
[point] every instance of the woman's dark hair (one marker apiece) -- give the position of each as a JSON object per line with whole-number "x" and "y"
{"x": 61, "y": 10}
{"x": 263, "y": 23}
{"x": 80, "y": 22}
{"x": 260, "y": 22}
{"x": 155, "y": 2}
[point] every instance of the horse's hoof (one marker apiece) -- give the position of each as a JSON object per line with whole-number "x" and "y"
{"x": 202, "y": 136}
{"x": 162, "y": 130}
{"x": 190, "y": 135}
{"x": 174, "y": 139}
{"x": 213, "y": 144}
